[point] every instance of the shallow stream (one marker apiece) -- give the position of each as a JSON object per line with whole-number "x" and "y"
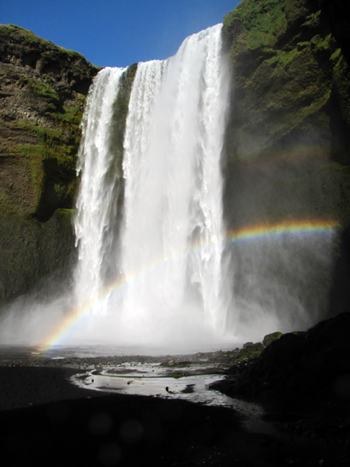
{"x": 187, "y": 377}
{"x": 169, "y": 380}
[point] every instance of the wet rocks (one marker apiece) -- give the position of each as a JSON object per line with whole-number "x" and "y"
{"x": 303, "y": 379}
{"x": 271, "y": 337}
{"x": 310, "y": 365}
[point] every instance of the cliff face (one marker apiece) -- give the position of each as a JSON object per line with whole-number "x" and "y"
{"x": 288, "y": 135}
{"x": 42, "y": 94}
{"x": 290, "y": 106}
{"x": 291, "y": 79}
{"x": 42, "y": 91}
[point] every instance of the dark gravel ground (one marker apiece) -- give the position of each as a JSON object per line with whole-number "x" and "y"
{"x": 45, "y": 420}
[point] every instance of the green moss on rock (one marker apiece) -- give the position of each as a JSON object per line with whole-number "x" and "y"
{"x": 44, "y": 88}
{"x": 246, "y": 354}
{"x": 46, "y": 92}
{"x": 30, "y": 250}
{"x": 52, "y": 163}
{"x": 289, "y": 112}
{"x": 281, "y": 53}
{"x": 43, "y": 92}
{"x": 271, "y": 337}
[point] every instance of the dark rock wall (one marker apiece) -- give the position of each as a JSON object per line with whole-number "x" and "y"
{"x": 288, "y": 133}
{"x": 30, "y": 249}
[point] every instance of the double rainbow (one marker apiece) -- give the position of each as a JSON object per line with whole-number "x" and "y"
{"x": 250, "y": 233}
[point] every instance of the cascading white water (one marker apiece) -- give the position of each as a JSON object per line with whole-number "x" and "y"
{"x": 170, "y": 288}
{"x": 97, "y": 199}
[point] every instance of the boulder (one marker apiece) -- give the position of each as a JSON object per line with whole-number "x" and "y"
{"x": 308, "y": 366}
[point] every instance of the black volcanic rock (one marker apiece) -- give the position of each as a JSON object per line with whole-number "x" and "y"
{"x": 303, "y": 382}
{"x": 310, "y": 366}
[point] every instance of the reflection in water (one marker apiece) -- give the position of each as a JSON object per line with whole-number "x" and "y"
{"x": 187, "y": 382}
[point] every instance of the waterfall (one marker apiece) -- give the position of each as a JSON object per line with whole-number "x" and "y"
{"x": 97, "y": 208}
{"x": 168, "y": 285}
{"x": 157, "y": 268}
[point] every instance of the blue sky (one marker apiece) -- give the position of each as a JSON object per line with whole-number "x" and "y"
{"x": 116, "y": 32}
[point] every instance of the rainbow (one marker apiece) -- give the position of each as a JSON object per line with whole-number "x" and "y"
{"x": 301, "y": 227}
{"x": 250, "y": 233}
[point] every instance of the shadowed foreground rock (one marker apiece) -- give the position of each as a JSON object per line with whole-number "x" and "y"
{"x": 303, "y": 380}
{"x": 312, "y": 364}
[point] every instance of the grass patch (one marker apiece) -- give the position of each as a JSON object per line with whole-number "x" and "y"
{"x": 44, "y": 91}
{"x": 18, "y": 34}
{"x": 263, "y": 21}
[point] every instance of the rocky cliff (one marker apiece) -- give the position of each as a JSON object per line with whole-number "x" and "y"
{"x": 42, "y": 94}
{"x": 288, "y": 134}
{"x": 290, "y": 111}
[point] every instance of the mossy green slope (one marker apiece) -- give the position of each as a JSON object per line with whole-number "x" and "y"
{"x": 291, "y": 78}
{"x": 288, "y": 131}
{"x": 42, "y": 89}
{"x": 42, "y": 93}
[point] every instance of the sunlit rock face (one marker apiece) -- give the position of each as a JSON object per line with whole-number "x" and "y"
{"x": 291, "y": 81}
{"x": 42, "y": 93}
{"x": 43, "y": 90}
